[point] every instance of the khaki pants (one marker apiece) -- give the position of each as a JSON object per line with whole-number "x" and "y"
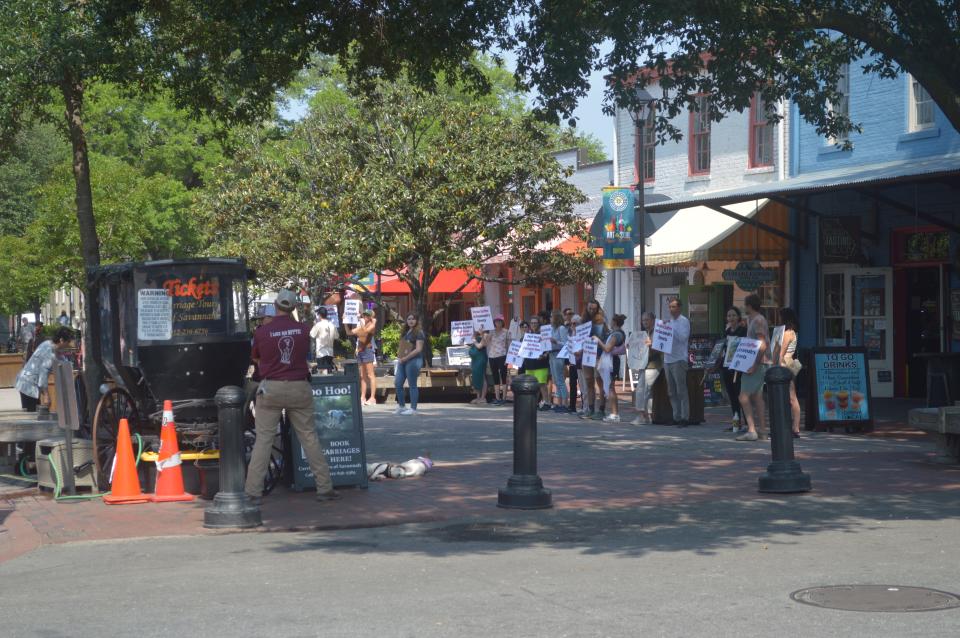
{"x": 297, "y": 398}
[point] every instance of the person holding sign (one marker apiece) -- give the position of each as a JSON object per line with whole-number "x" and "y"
{"x": 324, "y": 333}
{"x": 409, "y": 362}
{"x": 649, "y": 373}
{"x": 478, "y": 366}
{"x": 538, "y": 366}
{"x": 280, "y": 349}
{"x": 788, "y": 359}
{"x": 615, "y": 340}
{"x": 676, "y": 363}
{"x": 731, "y": 380}
{"x": 593, "y": 317}
{"x": 751, "y": 383}
{"x": 366, "y": 356}
{"x": 558, "y": 341}
{"x": 497, "y": 354}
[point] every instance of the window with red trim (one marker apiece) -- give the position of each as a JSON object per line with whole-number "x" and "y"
{"x": 699, "y": 152}
{"x": 646, "y": 159}
{"x": 761, "y": 133}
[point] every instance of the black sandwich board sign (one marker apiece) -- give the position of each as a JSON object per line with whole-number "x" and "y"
{"x": 339, "y": 424}
{"x": 839, "y": 392}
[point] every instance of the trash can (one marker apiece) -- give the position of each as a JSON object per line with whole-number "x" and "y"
{"x": 663, "y": 411}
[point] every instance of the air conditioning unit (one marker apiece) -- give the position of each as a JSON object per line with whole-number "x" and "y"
{"x": 50, "y": 451}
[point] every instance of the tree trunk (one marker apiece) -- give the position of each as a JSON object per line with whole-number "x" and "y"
{"x": 72, "y": 90}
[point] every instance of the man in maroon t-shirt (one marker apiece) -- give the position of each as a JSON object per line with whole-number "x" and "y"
{"x": 280, "y": 350}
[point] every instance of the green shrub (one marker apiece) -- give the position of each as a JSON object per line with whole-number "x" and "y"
{"x": 440, "y": 342}
{"x": 390, "y": 340}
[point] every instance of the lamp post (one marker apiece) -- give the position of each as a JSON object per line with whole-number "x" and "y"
{"x": 645, "y": 99}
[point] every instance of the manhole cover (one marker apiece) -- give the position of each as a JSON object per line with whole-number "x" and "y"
{"x": 877, "y": 598}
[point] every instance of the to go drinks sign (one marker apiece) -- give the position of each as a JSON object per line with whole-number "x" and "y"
{"x": 842, "y": 386}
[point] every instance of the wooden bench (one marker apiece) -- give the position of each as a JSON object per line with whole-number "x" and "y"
{"x": 944, "y": 425}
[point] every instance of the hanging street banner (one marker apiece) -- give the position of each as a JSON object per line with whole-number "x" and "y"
{"x": 616, "y": 232}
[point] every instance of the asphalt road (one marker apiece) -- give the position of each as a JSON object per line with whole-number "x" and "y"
{"x": 725, "y": 568}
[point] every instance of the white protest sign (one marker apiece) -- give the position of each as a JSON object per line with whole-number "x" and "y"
{"x": 461, "y": 332}
{"x": 638, "y": 353}
{"x": 746, "y": 354}
{"x": 531, "y": 346}
{"x": 590, "y": 354}
{"x": 332, "y": 315}
{"x": 351, "y": 311}
{"x": 513, "y": 355}
{"x": 482, "y": 318}
{"x": 564, "y": 352}
{"x": 732, "y": 343}
{"x": 777, "y": 342}
{"x": 581, "y": 334}
{"x": 154, "y": 315}
{"x": 546, "y": 333}
{"x": 662, "y": 337}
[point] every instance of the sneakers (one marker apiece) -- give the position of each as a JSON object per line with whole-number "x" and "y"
{"x": 544, "y": 406}
{"x": 253, "y": 500}
{"x": 597, "y": 415}
{"x": 399, "y": 410}
{"x": 332, "y": 495}
{"x": 748, "y": 436}
{"x": 408, "y": 412}
{"x": 612, "y": 418}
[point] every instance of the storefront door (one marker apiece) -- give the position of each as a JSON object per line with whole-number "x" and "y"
{"x": 857, "y": 310}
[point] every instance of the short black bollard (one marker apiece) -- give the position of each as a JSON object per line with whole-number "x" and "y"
{"x": 524, "y": 489}
{"x": 783, "y": 474}
{"x": 230, "y": 507}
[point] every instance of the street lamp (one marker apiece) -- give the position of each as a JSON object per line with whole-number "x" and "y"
{"x": 644, "y": 99}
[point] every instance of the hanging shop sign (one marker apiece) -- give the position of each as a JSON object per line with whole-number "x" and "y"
{"x": 750, "y": 275}
{"x": 840, "y": 240}
{"x": 615, "y": 230}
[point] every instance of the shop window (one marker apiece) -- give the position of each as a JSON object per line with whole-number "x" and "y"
{"x": 921, "y": 107}
{"x": 771, "y": 300}
{"x": 699, "y": 151}
{"x": 647, "y": 149}
{"x": 761, "y": 133}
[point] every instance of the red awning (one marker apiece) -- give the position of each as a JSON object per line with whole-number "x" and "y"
{"x": 447, "y": 282}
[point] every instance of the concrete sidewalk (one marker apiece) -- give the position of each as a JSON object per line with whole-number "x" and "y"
{"x": 590, "y": 467}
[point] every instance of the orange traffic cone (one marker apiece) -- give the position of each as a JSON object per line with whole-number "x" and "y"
{"x": 169, "y": 474}
{"x": 124, "y": 483}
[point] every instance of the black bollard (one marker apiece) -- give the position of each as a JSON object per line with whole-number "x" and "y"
{"x": 783, "y": 474}
{"x": 230, "y": 507}
{"x": 524, "y": 489}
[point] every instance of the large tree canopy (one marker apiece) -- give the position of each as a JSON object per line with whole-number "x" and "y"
{"x": 787, "y": 48}
{"x": 396, "y": 179}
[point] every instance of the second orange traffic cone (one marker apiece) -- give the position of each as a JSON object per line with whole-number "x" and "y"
{"x": 169, "y": 473}
{"x": 124, "y": 483}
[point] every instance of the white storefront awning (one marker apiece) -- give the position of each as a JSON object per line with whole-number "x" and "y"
{"x": 692, "y": 232}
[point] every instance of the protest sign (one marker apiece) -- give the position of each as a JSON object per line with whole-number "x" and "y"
{"x": 581, "y": 334}
{"x": 590, "y": 354}
{"x": 662, "y": 337}
{"x": 513, "y": 355}
{"x": 482, "y": 318}
{"x": 776, "y": 343}
{"x": 746, "y": 354}
{"x": 732, "y": 343}
{"x": 531, "y": 347}
{"x": 564, "y": 352}
{"x": 546, "y": 333}
{"x": 351, "y": 312}
{"x": 461, "y": 332}
{"x": 333, "y": 316}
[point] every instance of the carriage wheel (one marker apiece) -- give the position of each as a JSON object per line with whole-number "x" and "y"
{"x": 114, "y": 405}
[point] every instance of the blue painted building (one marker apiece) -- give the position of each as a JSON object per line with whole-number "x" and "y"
{"x": 874, "y": 257}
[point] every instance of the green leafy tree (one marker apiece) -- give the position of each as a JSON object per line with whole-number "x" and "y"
{"x": 36, "y": 151}
{"x": 404, "y": 181}
{"x": 786, "y": 48}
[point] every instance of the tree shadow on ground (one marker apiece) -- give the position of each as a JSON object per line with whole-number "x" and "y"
{"x": 704, "y": 528}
